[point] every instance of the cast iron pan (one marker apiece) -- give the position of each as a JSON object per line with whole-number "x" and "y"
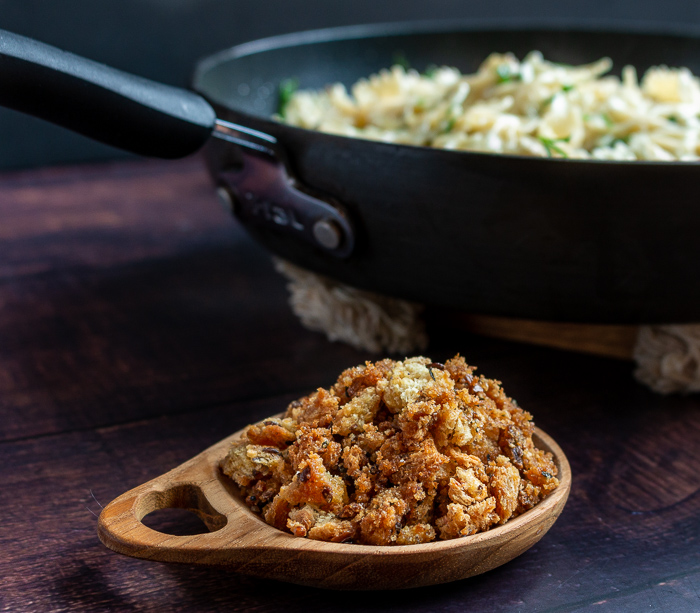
{"x": 566, "y": 240}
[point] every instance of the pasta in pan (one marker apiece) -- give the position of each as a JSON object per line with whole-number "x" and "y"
{"x": 532, "y": 107}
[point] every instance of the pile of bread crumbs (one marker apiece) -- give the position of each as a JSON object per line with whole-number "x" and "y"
{"x": 394, "y": 453}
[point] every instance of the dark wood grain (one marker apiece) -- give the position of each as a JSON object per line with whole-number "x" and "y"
{"x": 139, "y": 325}
{"x": 124, "y": 289}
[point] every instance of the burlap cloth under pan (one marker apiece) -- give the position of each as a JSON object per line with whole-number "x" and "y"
{"x": 667, "y": 357}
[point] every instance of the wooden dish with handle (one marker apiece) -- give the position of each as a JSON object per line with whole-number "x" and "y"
{"x": 242, "y": 541}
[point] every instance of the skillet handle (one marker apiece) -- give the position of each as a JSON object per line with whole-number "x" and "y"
{"x": 100, "y": 102}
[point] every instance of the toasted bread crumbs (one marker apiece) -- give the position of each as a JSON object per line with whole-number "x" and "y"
{"x": 394, "y": 453}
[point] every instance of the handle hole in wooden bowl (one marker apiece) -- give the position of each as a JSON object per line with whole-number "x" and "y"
{"x": 175, "y": 522}
{"x": 181, "y": 510}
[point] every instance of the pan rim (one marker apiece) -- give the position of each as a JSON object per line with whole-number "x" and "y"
{"x": 404, "y": 28}
{"x": 438, "y": 26}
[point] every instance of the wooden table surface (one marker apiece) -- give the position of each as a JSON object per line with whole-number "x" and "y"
{"x": 139, "y": 325}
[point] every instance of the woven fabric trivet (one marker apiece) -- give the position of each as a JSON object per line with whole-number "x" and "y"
{"x": 667, "y": 357}
{"x": 361, "y": 319}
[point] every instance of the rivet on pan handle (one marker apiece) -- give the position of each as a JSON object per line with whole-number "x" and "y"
{"x": 265, "y": 194}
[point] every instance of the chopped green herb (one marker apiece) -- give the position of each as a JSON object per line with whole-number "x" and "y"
{"x": 547, "y": 102}
{"x": 505, "y": 74}
{"x": 622, "y": 139}
{"x": 673, "y": 119}
{"x": 431, "y": 71}
{"x": 604, "y": 116}
{"x": 546, "y": 474}
{"x": 401, "y": 60}
{"x": 420, "y": 104}
{"x": 551, "y": 146}
{"x": 449, "y": 125}
{"x": 285, "y": 93}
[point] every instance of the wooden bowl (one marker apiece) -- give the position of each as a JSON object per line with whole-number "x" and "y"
{"x": 243, "y": 542}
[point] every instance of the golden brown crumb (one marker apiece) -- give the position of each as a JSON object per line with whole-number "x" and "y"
{"x": 394, "y": 453}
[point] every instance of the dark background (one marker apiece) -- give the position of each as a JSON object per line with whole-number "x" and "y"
{"x": 162, "y": 39}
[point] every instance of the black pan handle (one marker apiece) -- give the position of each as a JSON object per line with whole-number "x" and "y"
{"x": 111, "y": 106}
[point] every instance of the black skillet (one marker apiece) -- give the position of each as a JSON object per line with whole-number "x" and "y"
{"x": 587, "y": 241}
